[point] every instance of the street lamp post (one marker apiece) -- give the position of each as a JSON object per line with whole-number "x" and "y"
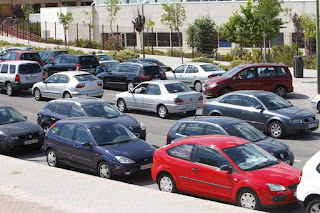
{"x": 143, "y": 20}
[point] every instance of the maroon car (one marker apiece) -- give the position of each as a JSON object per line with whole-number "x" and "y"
{"x": 269, "y": 77}
{"x": 30, "y": 55}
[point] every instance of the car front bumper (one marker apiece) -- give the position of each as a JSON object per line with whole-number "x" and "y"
{"x": 291, "y": 128}
{"x": 128, "y": 169}
{"x": 276, "y": 199}
{"x": 19, "y": 145}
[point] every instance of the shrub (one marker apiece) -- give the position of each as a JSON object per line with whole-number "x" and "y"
{"x": 237, "y": 62}
{"x": 224, "y": 67}
{"x": 52, "y": 41}
{"x": 4, "y": 43}
{"x": 257, "y": 57}
{"x": 283, "y": 54}
{"x": 202, "y": 59}
{"x": 310, "y": 62}
{"x": 228, "y": 57}
{"x": 236, "y": 52}
{"x": 123, "y": 55}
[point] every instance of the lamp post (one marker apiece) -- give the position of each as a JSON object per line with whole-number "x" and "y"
{"x": 318, "y": 46}
{"x": 143, "y": 20}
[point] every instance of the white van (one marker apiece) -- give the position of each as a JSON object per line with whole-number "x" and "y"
{"x": 19, "y": 75}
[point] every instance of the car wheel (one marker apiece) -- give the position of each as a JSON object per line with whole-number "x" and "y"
{"x": 198, "y": 86}
{"x": 318, "y": 107}
{"x": 225, "y": 90}
{"x": 9, "y": 89}
{"x": 249, "y": 199}
{"x": 130, "y": 85}
{"x": 121, "y": 104}
{"x": 37, "y": 94}
{"x": 166, "y": 183}
{"x": 162, "y": 111}
{"x": 191, "y": 113}
{"x": 281, "y": 91}
{"x": 276, "y": 129}
{"x": 313, "y": 206}
{"x": 104, "y": 170}
{"x": 66, "y": 95}
{"x": 52, "y": 158}
{"x": 46, "y": 128}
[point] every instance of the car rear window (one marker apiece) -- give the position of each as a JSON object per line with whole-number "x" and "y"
{"x": 29, "y": 68}
{"x": 153, "y": 70}
{"x": 30, "y": 56}
{"x": 177, "y": 87}
{"x": 85, "y": 77}
{"x": 210, "y": 67}
{"x": 88, "y": 60}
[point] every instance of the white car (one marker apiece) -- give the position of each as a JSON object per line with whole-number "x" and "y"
{"x": 308, "y": 191}
{"x": 315, "y": 102}
{"x": 68, "y": 84}
{"x": 194, "y": 74}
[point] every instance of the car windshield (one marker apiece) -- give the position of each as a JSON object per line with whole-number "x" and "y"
{"x": 231, "y": 72}
{"x": 102, "y": 110}
{"x": 104, "y": 57}
{"x": 85, "y": 77}
{"x": 250, "y": 157}
{"x": 177, "y": 87}
{"x": 273, "y": 102}
{"x": 109, "y": 134}
{"x": 210, "y": 67}
{"x": 10, "y": 115}
{"x": 244, "y": 130}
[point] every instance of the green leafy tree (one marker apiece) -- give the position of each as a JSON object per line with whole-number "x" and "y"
{"x": 89, "y": 17}
{"x": 309, "y": 25}
{"x": 191, "y": 37}
{"x": 149, "y": 24}
{"x": 65, "y": 20}
{"x": 174, "y": 17}
{"x": 298, "y": 29}
{"x": 113, "y": 9}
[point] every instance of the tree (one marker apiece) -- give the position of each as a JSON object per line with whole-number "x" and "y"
{"x": 149, "y": 24}
{"x": 297, "y": 23}
{"x": 89, "y": 16}
{"x": 17, "y": 11}
{"x": 138, "y": 25}
{"x": 190, "y": 37}
{"x": 112, "y": 9}
{"x": 309, "y": 23}
{"x": 65, "y": 20}
{"x": 174, "y": 17}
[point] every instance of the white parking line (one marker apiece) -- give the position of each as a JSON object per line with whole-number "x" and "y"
{"x": 299, "y": 161}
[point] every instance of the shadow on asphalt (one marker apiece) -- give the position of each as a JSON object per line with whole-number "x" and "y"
{"x": 175, "y": 116}
{"x": 296, "y": 96}
{"x": 304, "y": 136}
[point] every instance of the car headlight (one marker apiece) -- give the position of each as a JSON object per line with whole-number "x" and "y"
{"x": 213, "y": 85}
{"x": 275, "y": 187}
{"x": 124, "y": 160}
{"x": 142, "y": 127}
{"x": 296, "y": 121}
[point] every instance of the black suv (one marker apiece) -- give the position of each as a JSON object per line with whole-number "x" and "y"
{"x": 86, "y": 107}
{"x": 49, "y": 55}
{"x": 69, "y": 62}
{"x": 164, "y": 67}
{"x": 128, "y": 74}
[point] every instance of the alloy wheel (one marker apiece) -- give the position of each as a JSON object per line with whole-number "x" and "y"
{"x": 104, "y": 171}
{"x": 166, "y": 184}
{"x": 51, "y": 158}
{"x": 247, "y": 200}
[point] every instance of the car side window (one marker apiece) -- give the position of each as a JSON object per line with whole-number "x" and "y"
{"x": 213, "y": 130}
{"x": 141, "y": 89}
{"x": 57, "y": 60}
{"x": 281, "y": 71}
{"x": 12, "y": 69}
{"x": 53, "y": 79}
{"x": 82, "y": 136}
{"x": 51, "y": 107}
{"x": 135, "y": 69}
{"x": 65, "y": 59}
{"x": 318, "y": 168}
{"x": 246, "y": 74}
{"x": 63, "y": 79}
{"x": 62, "y": 109}
{"x": 114, "y": 69}
{"x": 67, "y": 131}
{"x": 211, "y": 157}
{"x": 182, "y": 151}
{"x": 4, "y": 68}
{"x": 7, "y": 56}
{"x": 14, "y": 56}
{"x": 250, "y": 102}
{"x": 194, "y": 129}
{"x": 124, "y": 68}
{"x": 233, "y": 99}
{"x": 264, "y": 72}
{"x": 76, "y": 112}
{"x": 55, "y": 130}
{"x": 180, "y": 69}
{"x": 153, "y": 89}
{"x": 192, "y": 69}
{"x": 181, "y": 129}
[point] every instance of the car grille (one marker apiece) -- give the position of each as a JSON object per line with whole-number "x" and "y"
{"x": 282, "y": 155}
{"x": 29, "y": 136}
{"x": 293, "y": 187}
{"x": 145, "y": 160}
{"x": 309, "y": 119}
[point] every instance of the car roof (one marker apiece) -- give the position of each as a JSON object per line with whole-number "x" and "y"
{"x": 2, "y": 106}
{"x": 220, "y": 141}
{"x": 24, "y": 51}
{"x": 87, "y": 121}
{"x": 72, "y": 73}
{"x": 19, "y": 62}
{"x": 142, "y": 59}
{"x": 53, "y": 51}
{"x": 140, "y": 64}
{"x": 79, "y": 101}
{"x": 198, "y": 63}
{"x": 256, "y": 93}
{"x": 220, "y": 120}
{"x": 162, "y": 82}
{"x": 261, "y": 65}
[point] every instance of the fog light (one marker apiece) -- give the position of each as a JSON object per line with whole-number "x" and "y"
{"x": 127, "y": 173}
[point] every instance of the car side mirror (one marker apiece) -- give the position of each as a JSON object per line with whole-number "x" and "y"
{"x": 25, "y": 117}
{"x": 260, "y": 107}
{"x": 226, "y": 168}
{"x": 87, "y": 144}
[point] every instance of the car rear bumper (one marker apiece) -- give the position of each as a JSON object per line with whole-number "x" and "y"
{"x": 174, "y": 108}
{"x": 21, "y": 86}
{"x": 93, "y": 93}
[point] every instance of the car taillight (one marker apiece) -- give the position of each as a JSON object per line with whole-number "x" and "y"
{"x": 80, "y": 85}
{"x": 204, "y": 104}
{"x": 38, "y": 113}
{"x": 53, "y": 126}
{"x": 99, "y": 83}
{"x": 211, "y": 76}
{"x": 200, "y": 98}
{"x": 44, "y": 75}
{"x": 167, "y": 137}
{"x": 145, "y": 77}
{"x": 178, "y": 100}
{"x": 164, "y": 75}
{"x": 17, "y": 79}
{"x": 78, "y": 67}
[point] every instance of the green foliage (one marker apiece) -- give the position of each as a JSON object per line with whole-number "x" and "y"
{"x": 236, "y": 52}
{"x": 52, "y": 41}
{"x": 4, "y": 43}
{"x": 237, "y": 62}
{"x": 310, "y": 62}
{"x": 283, "y": 54}
{"x": 113, "y": 9}
{"x": 85, "y": 43}
{"x": 27, "y": 9}
{"x": 123, "y": 55}
{"x": 309, "y": 23}
{"x": 149, "y": 24}
{"x": 191, "y": 35}
{"x": 65, "y": 19}
{"x": 174, "y": 15}
{"x": 202, "y": 59}
{"x": 228, "y": 57}
{"x": 257, "y": 56}
{"x": 155, "y": 52}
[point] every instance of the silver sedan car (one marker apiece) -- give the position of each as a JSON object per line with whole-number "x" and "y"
{"x": 162, "y": 97}
{"x": 194, "y": 74}
{"x": 68, "y": 84}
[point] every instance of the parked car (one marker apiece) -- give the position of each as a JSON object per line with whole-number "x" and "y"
{"x": 17, "y": 133}
{"x": 229, "y": 126}
{"x": 29, "y": 55}
{"x": 266, "y": 111}
{"x": 162, "y": 97}
{"x": 4, "y": 51}
{"x": 164, "y": 67}
{"x": 106, "y": 62}
{"x": 195, "y": 74}
{"x": 72, "y": 62}
{"x": 308, "y": 191}
{"x": 226, "y": 168}
{"x": 269, "y": 77}
{"x": 97, "y": 145}
{"x": 128, "y": 75}
{"x": 67, "y": 85}
{"x": 315, "y": 102}
{"x": 19, "y": 75}
{"x": 86, "y": 107}
{"x": 48, "y": 55}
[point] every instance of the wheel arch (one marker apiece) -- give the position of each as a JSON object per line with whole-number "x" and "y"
{"x": 309, "y": 198}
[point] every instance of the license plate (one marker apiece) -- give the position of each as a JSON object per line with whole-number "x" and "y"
{"x": 295, "y": 194}
{"x": 312, "y": 125}
{"x": 146, "y": 166}
{"x": 92, "y": 94}
{"x": 31, "y": 141}
{"x": 191, "y": 106}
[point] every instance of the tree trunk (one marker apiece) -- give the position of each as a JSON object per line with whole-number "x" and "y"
{"x": 297, "y": 43}
{"x": 179, "y": 39}
{"x": 171, "y": 42}
{"x": 241, "y": 46}
{"x": 65, "y": 39}
{"x": 112, "y": 40}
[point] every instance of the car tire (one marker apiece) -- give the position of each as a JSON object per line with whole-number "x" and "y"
{"x": 225, "y": 90}
{"x": 130, "y": 85}
{"x": 191, "y": 113}
{"x": 52, "y": 158}
{"x": 67, "y": 95}
{"x": 318, "y": 107}
{"x": 122, "y": 106}
{"x": 198, "y": 86}
{"x": 166, "y": 183}
{"x": 104, "y": 170}
{"x": 9, "y": 89}
{"x": 247, "y": 198}
{"x": 281, "y": 91}
{"x": 37, "y": 94}
{"x": 276, "y": 129}
{"x": 313, "y": 206}
{"x": 162, "y": 111}
{"x": 46, "y": 128}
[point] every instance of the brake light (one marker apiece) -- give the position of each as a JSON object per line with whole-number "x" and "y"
{"x": 204, "y": 104}
{"x": 17, "y": 79}
{"x": 78, "y": 67}
{"x": 178, "y": 100}
{"x": 200, "y": 98}
{"x": 44, "y": 75}
{"x": 167, "y": 137}
{"x": 164, "y": 75}
{"x": 53, "y": 126}
{"x": 99, "y": 83}
{"x": 145, "y": 77}
{"x": 211, "y": 76}
{"x": 81, "y": 85}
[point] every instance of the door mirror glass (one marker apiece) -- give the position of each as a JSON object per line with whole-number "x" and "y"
{"x": 226, "y": 168}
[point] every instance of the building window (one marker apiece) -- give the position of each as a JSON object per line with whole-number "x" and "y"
{"x": 51, "y": 4}
{"x": 86, "y": 3}
{"x": 175, "y": 39}
{"x": 36, "y": 8}
{"x": 150, "y": 39}
{"x": 277, "y": 40}
{"x": 69, "y": 3}
{"x": 224, "y": 43}
{"x": 163, "y": 39}
{"x": 131, "y": 39}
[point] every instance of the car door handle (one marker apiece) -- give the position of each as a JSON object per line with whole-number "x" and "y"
{"x": 195, "y": 170}
{"x": 75, "y": 146}
{"x": 53, "y": 119}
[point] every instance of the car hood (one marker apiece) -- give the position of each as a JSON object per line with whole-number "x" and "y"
{"x": 216, "y": 80}
{"x": 273, "y": 146}
{"x": 126, "y": 121}
{"x": 294, "y": 111}
{"x": 135, "y": 150}
{"x": 20, "y": 128}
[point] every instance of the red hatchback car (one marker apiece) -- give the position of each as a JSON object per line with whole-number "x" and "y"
{"x": 30, "y": 55}
{"x": 226, "y": 168}
{"x": 269, "y": 77}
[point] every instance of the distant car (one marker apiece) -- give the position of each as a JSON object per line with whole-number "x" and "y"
{"x": 72, "y": 62}
{"x": 220, "y": 125}
{"x": 19, "y": 75}
{"x": 97, "y": 145}
{"x": 17, "y": 133}
{"x": 162, "y": 97}
{"x": 266, "y": 111}
{"x": 48, "y": 55}
{"x": 86, "y": 107}
{"x": 308, "y": 191}
{"x": 106, "y": 62}
{"x": 195, "y": 74}
{"x": 4, "y": 51}
{"x": 29, "y": 55}
{"x": 269, "y": 77}
{"x": 164, "y": 67}
{"x": 67, "y": 85}
{"x": 226, "y": 168}
{"x": 128, "y": 74}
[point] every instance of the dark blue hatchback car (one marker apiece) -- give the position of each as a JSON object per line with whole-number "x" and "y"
{"x": 97, "y": 145}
